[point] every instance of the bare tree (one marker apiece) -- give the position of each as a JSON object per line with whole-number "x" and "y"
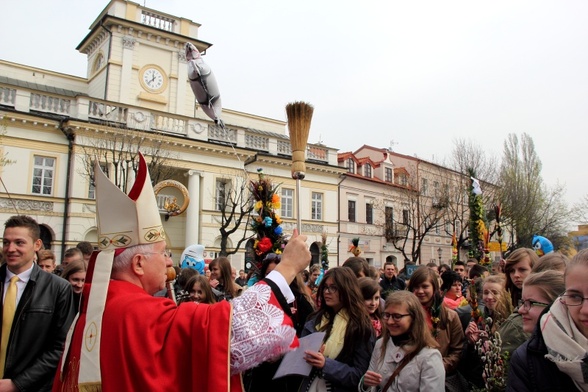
{"x": 118, "y": 152}
{"x": 466, "y": 155}
{"x": 235, "y": 206}
{"x": 419, "y": 216}
{"x": 580, "y": 211}
{"x": 529, "y": 207}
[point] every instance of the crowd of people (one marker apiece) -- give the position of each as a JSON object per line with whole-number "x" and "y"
{"x": 384, "y": 331}
{"x": 96, "y": 321}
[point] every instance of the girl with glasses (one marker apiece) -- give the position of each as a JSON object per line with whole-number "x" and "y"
{"x": 554, "y": 357}
{"x": 406, "y": 358}
{"x": 349, "y": 338}
{"x": 539, "y": 291}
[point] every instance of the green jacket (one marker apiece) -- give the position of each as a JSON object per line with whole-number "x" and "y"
{"x": 512, "y": 334}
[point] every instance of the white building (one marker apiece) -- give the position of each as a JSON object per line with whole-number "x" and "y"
{"x": 54, "y": 122}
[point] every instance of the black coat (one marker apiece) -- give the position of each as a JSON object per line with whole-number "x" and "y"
{"x": 43, "y": 316}
{"x": 389, "y": 285}
{"x": 529, "y": 370}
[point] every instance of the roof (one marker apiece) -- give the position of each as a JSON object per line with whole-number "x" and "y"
{"x": 40, "y": 87}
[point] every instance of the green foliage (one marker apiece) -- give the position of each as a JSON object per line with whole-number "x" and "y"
{"x": 477, "y": 222}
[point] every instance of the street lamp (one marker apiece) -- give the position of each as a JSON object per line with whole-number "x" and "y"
{"x": 440, "y": 253}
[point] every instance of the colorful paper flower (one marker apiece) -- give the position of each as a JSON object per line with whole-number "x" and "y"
{"x": 266, "y": 225}
{"x": 264, "y": 245}
{"x": 267, "y": 221}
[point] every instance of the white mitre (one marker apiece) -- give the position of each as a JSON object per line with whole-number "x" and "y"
{"x": 123, "y": 221}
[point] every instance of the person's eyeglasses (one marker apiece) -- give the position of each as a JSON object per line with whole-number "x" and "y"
{"x": 572, "y": 299}
{"x": 331, "y": 289}
{"x": 166, "y": 253}
{"x": 527, "y": 304}
{"x": 394, "y": 316}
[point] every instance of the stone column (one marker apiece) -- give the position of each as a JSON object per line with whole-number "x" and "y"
{"x": 193, "y": 210}
{"x": 127, "y": 69}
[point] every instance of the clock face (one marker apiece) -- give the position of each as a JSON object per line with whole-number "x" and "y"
{"x": 153, "y": 79}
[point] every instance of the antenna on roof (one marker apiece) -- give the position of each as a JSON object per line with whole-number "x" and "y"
{"x": 392, "y": 144}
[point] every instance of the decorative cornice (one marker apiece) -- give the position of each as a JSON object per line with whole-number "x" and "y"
{"x": 306, "y": 227}
{"x": 182, "y": 56}
{"x": 128, "y": 42}
{"x": 26, "y": 205}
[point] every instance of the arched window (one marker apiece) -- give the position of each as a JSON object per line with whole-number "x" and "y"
{"x": 315, "y": 251}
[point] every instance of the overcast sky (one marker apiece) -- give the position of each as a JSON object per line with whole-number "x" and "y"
{"x": 419, "y": 74}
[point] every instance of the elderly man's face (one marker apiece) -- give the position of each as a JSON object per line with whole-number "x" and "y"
{"x": 155, "y": 268}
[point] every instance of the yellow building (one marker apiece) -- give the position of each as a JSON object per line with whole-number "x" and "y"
{"x": 137, "y": 96}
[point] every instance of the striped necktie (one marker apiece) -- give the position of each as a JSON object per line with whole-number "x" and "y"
{"x": 7, "y": 316}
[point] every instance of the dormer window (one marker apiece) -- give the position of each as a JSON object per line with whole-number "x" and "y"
{"x": 350, "y": 166}
{"x": 388, "y": 174}
{"x": 367, "y": 170}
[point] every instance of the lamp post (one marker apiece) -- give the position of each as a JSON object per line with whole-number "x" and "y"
{"x": 440, "y": 253}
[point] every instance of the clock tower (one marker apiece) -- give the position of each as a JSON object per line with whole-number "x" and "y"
{"x": 136, "y": 57}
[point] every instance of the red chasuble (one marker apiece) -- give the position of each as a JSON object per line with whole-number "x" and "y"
{"x": 150, "y": 344}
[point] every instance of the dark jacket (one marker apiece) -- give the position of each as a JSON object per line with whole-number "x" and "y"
{"x": 43, "y": 317}
{"x": 394, "y": 284}
{"x": 529, "y": 370}
{"x": 343, "y": 374}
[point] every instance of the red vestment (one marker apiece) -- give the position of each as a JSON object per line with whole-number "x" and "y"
{"x": 150, "y": 344}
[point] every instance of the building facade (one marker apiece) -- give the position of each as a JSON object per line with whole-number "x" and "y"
{"x": 137, "y": 97}
{"x": 403, "y": 208}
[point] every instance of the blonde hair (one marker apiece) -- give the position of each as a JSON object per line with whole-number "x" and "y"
{"x": 504, "y": 307}
{"x": 549, "y": 282}
{"x": 46, "y": 254}
{"x": 581, "y": 258}
{"x": 552, "y": 261}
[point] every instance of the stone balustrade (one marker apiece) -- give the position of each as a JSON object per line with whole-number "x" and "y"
{"x": 84, "y": 108}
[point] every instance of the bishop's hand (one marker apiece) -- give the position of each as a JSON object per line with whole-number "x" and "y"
{"x": 295, "y": 258}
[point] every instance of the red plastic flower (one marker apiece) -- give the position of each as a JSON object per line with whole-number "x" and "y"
{"x": 264, "y": 245}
